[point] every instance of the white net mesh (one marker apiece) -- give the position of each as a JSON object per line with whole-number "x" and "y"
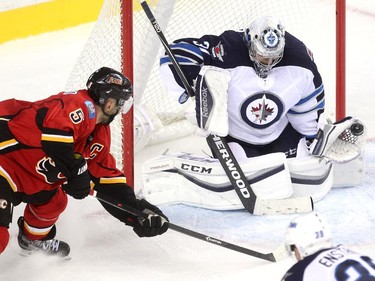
{"x": 313, "y": 21}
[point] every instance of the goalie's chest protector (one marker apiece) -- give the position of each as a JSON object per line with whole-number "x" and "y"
{"x": 258, "y": 107}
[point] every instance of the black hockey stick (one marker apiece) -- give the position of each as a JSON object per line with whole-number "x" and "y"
{"x": 222, "y": 152}
{"x": 273, "y": 257}
{"x": 246, "y": 195}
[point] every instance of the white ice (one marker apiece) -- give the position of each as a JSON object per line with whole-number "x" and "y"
{"x": 104, "y": 249}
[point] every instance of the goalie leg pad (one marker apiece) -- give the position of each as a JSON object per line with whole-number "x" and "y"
{"x": 201, "y": 181}
{"x": 311, "y": 176}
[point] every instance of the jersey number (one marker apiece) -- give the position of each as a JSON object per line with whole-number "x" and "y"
{"x": 348, "y": 268}
{"x": 77, "y": 116}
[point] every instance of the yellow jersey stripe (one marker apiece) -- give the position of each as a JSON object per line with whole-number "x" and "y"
{"x": 112, "y": 180}
{"x": 57, "y": 138}
{"x": 8, "y": 143}
{"x": 37, "y": 231}
{"x": 6, "y": 176}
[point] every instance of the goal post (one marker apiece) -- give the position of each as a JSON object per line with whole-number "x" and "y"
{"x": 340, "y": 59}
{"x": 123, "y": 38}
{"x": 127, "y": 135}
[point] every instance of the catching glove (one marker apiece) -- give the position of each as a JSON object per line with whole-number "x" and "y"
{"x": 155, "y": 224}
{"x": 78, "y": 184}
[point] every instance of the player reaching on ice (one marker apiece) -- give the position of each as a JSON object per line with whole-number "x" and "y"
{"x": 308, "y": 239}
{"x": 260, "y": 89}
{"x": 61, "y": 145}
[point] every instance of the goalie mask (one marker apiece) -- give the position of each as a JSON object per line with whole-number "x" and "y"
{"x": 265, "y": 40}
{"x": 309, "y": 234}
{"x": 108, "y": 83}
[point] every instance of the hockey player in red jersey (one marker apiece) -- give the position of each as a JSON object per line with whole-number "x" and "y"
{"x": 58, "y": 146}
{"x": 308, "y": 239}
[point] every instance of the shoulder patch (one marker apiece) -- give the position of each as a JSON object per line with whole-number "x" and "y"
{"x": 91, "y": 108}
{"x": 218, "y": 51}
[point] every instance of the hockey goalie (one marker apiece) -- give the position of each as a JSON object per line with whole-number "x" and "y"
{"x": 260, "y": 90}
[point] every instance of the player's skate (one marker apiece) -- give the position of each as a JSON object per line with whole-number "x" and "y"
{"x": 50, "y": 247}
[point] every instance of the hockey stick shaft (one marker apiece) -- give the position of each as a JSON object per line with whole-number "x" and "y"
{"x": 167, "y": 48}
{"x": 245, "y": 194}
{"x": 233, "y": 170}
{"x": 244, "y": 190}
{"x": 128, "y": 209}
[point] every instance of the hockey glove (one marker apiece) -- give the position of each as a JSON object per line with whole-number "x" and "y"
{"x": 155, "y": 224}
{"x": 78, "y": 184}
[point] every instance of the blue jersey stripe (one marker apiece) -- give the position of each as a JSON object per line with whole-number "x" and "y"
{"x": 320, "y": 105}
{"x": 314, "y": 94}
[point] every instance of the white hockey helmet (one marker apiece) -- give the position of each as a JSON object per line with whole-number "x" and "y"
{"x": 309, "y": 233}
{"x": 265, "y": 39}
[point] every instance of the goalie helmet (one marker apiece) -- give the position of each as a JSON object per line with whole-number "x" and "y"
{"x": 308, "y": 234}
{"x": 265, "y": 39}
{"x": 107, "y": 83}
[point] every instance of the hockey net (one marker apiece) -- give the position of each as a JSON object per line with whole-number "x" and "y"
{"x": 156, "y": 116}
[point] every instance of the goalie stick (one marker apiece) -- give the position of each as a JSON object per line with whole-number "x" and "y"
{"x": 275, "y": 256}
{"x": 250, "y": 201}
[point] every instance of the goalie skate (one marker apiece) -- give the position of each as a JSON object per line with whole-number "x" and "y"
{"x": 50, "y": 247}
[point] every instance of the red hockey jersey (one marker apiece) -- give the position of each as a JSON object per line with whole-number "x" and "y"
{"x": 63, "y": 119}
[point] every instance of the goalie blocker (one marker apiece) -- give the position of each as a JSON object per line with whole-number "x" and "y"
{"x": 212, "y": 100}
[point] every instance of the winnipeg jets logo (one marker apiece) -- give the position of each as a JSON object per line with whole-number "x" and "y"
{"x": 270, "y": 39}
{"x": 47, "y": 168}
{"x": 218, "y": 51}
{"x": 261, "y": 110}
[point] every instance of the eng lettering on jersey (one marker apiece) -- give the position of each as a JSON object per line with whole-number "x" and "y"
{"x": 91, "y": 108}
{"x": 47, "y": 168}
{"x": 333, "y": 257}
{"x": 261, "y": 110}
{"x": 218, "y": 51}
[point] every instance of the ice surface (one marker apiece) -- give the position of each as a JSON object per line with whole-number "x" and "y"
{"x": 103, "y": 249}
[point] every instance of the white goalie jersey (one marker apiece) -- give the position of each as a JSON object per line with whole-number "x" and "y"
{"x": 258, "y": 109}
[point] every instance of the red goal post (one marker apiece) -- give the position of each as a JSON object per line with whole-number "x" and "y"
{"x": 123, "y": 38}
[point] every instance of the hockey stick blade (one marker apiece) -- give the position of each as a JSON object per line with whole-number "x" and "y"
{"x": 283, "y": 206}
{"x": 272, "y": 257}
